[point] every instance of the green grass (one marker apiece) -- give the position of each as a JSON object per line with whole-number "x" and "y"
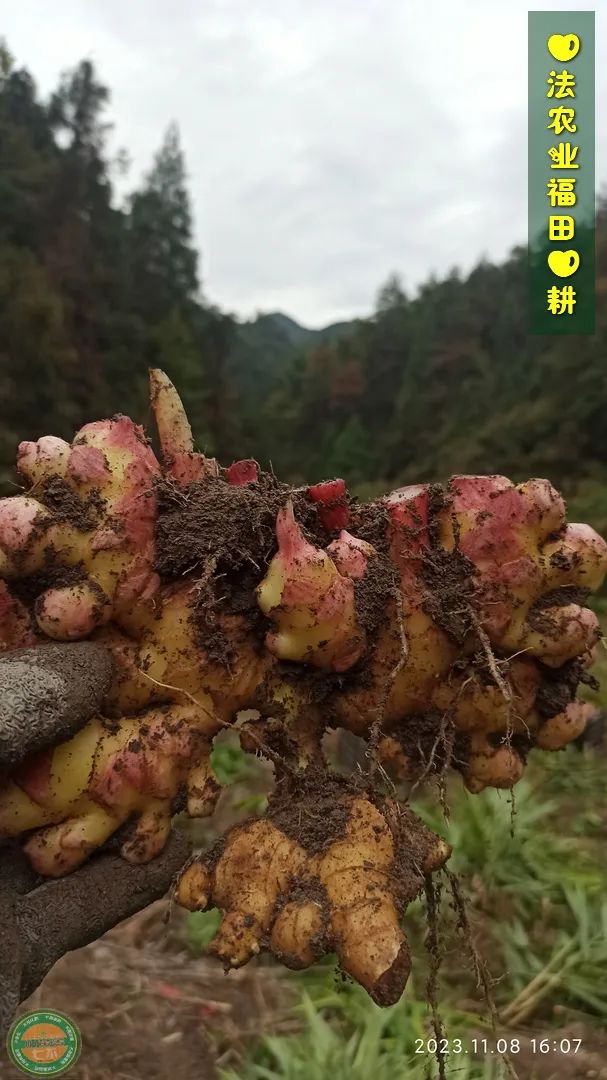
{"x": 534, "y": 879}
{"x": 573, "y": 967}
{"x": 346, "y": 1037}
{"x": 535, "y": 876}
{"x": 534, "y": 882}
{"x": 589, "y": 503}
{"x": 230, "y": 763}
{"x": 514, "y": 845}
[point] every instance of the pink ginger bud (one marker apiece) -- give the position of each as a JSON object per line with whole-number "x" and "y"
{"x": 332, "y": 499}
{"x": 181, "y": 462}
{"x": 351, "y": 555}
{"x": 311, "y": 605}
{"x": 243, "y": 472}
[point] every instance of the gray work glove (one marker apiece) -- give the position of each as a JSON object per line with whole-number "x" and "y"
{"x": 47, "y": 693}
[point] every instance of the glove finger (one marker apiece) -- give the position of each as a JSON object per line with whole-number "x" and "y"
{"x": 47, "y": 693}
{"x": 10, "y": 961}
{"x": 63, "y": 915}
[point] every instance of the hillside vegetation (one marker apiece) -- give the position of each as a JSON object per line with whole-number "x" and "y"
{"x": 92, "y": 293}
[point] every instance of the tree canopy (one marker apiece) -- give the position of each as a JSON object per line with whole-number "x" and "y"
{"x": 92, "y": 293}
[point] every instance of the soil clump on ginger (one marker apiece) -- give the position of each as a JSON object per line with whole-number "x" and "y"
{"x": 309, "y": 807}
{"x": 375, "y": 592}
{"x": 67, "y": 507}
{"x": 235, "y": 525}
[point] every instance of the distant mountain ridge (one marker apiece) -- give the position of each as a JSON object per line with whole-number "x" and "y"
{"x": 292, "y": 331}
{"x": 302, "y": 335}
{"x": 264, "y": 348}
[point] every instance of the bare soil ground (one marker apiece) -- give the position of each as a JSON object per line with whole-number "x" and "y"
{"x": 148, "y": 1010}
{"x": 590, "y": 1063}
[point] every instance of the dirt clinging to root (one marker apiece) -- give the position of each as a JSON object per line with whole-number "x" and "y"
{"x": 448, "y": 575}
{"x": 374, "y": 591}
{"x": 431, "y": 742}
{"x": 559, "y": 686}
{"x": 234, "y": 525}
{"x": 312, "y": 808}
{"x": 67, "y": 507}
{"x": 371, "y": 522}
{"x": 226, "y": 535}
{"x": 53, "y": 574}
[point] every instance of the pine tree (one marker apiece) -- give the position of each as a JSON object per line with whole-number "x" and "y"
{"x": 351, "y": 454}
{"x": 84, "y": 246}
{"x": 92, "y": 294}
{"x": 28, "y": 157}
{"x": 164, "y": 260}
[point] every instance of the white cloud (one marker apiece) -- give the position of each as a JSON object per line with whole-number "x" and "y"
{"x": 328, "y": 142}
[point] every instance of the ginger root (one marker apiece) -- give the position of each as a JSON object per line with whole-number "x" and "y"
{"x": 329, "y": 869}
{"x": 445, "y": 624}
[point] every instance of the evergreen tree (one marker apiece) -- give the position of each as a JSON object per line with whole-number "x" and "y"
{"x": 28, "y": 157}
{"x": 164, "y": 260}
{"x": 91, "y": 294}
{"x": 351, "y": 455}
{"x": 83, "y": 245}
{"x": 190, "y": 340}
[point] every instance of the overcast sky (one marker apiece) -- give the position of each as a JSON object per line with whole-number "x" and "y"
{"x": 328, "y": 142}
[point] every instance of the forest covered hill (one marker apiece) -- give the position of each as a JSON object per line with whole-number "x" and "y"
{"x": 93, "y": 293}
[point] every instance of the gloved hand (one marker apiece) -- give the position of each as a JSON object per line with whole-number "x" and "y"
{"x": 46, "y": 694}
